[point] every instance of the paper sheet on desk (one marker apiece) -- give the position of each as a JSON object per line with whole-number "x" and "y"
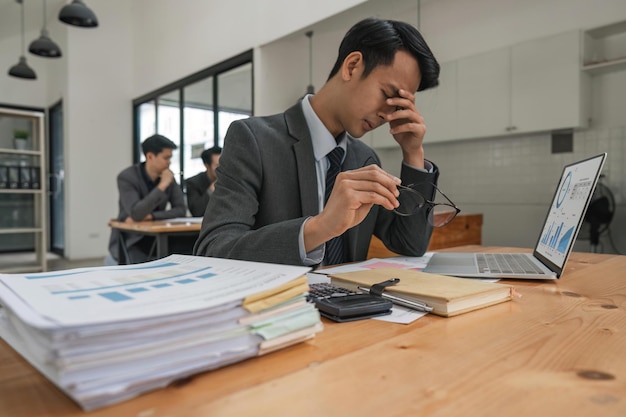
{"x": 401, "y": 315}
{"x": 173, "y": 285}
{"x": 416, "y": 263}
{"x": 185, "y": 220}
{"x": 401, "y": 262}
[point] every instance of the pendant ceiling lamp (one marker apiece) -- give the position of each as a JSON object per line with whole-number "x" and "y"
{"x": 77, "y": 14}
{"x": 21, "y": 69}
{"x": 44, "y": 46}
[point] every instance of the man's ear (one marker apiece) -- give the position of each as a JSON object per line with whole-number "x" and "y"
{"x": 352, "y": 65}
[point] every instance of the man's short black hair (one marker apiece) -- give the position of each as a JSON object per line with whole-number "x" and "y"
{"x": 379, "y": 40}
{"x": 156, "y": 144}
{"x": 207, "y": 154}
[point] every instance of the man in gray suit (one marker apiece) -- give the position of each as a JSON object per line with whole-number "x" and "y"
{"x": 201, "y": 186}
{"x": 145, "y": 190}
{"x": 269, "y": 204}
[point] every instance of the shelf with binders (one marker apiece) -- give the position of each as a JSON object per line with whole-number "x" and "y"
{"x": 23, "y": 223}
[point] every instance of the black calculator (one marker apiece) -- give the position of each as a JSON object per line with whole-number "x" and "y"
{"x": 326, "y": 290}
{"x": 341, "y": 304}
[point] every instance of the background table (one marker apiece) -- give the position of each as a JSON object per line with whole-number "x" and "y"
{"x": 464, "y": 229}
{"x": 162, "y": 230}
{"x": 557, "y": 350}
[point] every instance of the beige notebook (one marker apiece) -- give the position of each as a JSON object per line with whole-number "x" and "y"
{"x": 448, "y": 296}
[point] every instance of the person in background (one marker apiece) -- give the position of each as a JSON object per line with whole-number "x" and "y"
{"x": 145, "y": 189}
{"x": 201, "y": 186}
{"x": 270, "y": 202}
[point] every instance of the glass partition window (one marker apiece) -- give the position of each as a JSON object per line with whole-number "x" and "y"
{"x": 147, "y": 119}
{"x": 168, "y": 124}
{"x": 235, "y": 101}
{"x": 195, "y": 113}
{"x": 199, "y": 124}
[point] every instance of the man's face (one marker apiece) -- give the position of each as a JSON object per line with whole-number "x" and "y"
{"x": 365, "y": 102}
{"x": 159, "y": 162}
{"x": 215, "y": 162}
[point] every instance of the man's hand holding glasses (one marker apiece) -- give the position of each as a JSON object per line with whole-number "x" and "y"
{"x": 440, "y": 211}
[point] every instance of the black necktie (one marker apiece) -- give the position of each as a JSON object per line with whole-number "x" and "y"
{"x": 334, "y": 247}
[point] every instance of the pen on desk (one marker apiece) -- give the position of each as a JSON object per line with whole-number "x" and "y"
{"x": 415, "y": 305}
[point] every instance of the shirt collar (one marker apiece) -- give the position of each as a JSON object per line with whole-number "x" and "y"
{"x": 323, "y": 141}
{"x": 146, "y": 178}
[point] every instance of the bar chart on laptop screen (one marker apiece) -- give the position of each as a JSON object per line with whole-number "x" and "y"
{"x": 567, "y": 207}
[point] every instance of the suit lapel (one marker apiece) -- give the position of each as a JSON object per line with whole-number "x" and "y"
{"x": 305, "y": 160}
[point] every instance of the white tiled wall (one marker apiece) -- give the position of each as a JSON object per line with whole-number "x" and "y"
{"x": 511, "y": 181}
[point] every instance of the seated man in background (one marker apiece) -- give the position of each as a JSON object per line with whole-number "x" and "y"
{"x": 145, "y": 189}
{"x": 201, "y": 186}
{"x": 273, "y": 201}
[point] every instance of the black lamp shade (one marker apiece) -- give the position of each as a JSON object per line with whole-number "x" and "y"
{"x": 77, "y": 14}
{"x": 44, "y": 46}
{"x": 22, "y": 70}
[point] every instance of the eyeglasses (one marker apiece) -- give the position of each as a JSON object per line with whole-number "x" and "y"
{"x": 440, "y": 212}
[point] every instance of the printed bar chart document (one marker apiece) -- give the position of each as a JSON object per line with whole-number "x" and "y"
{"x": 109, "y": 333}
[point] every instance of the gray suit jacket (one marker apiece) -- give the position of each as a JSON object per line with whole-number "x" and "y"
{"x": 137, "y": 202}
{"x": 197, "y": 194}
{"x": 267, "y": 187}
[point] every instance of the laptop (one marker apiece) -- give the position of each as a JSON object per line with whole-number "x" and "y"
{"x": 562, "y": 224}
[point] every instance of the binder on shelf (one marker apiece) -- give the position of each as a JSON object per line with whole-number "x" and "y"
{"x": 4, "y": 176}
{"x": 14, "y": 176}
{"x": 25, "y": 181}
{"x": 35, "y": 178}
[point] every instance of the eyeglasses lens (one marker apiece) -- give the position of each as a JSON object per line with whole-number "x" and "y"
{"x": 410, "y": 201}
{"x": 442, "y": 214}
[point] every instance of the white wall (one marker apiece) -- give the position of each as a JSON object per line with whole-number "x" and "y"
{"x": 98, "y": 125}
{"x": 458, "y": 28}
{"x": 174, "y": 39}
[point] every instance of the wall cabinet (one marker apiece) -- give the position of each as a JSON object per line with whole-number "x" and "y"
{"x": 484, "y": 94}
{"x": 529, "y": 87}
{"x": 23, "y": 189}
{"x": 548, "y": 90}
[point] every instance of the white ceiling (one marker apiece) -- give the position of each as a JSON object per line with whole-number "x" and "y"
{"x": 33, "y": 15}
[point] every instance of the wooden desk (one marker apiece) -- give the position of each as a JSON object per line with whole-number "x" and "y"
{"x": 465, "y": 229}
{"x": 162, "y": 230}
{"x": 556, "y": 351}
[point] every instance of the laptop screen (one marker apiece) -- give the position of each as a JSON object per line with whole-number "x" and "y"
{"x": 566, "y": 214}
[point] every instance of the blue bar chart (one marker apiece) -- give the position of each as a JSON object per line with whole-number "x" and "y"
{"x": 554, "y": 239}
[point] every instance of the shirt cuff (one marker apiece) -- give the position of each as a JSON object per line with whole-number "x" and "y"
{"x": 315, "y": 256}
{"x": 428, "y": 167}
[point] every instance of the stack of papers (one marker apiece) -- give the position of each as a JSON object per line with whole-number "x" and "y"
{"x": 107, "y": 334}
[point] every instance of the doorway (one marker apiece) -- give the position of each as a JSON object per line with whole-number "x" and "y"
{"x": 56, "y": 176}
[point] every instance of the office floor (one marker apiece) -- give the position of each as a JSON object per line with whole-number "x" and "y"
{"x": 55, "y": 262}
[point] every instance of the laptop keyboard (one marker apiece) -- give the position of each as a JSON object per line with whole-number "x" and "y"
{"x": 506, "y": 263}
